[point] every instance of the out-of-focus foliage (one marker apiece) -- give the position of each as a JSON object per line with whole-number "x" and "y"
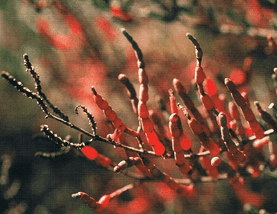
{"x": 75, "y": 44}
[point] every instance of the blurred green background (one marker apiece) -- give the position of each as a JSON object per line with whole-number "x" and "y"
{"x": 76, "y": 44}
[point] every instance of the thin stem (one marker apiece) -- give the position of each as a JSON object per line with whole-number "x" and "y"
{"x": 121, "y": 190}
{"x": 71, "y": 125}
{"x": 99, "y": 138}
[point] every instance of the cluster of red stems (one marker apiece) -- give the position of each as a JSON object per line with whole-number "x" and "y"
{"x": 225, "y": 146}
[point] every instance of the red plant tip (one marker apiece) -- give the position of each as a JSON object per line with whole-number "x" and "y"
{"x": 118, "y": 168}
{"x": 227, "y": 80}
{"x": 91, "y": 202}
{"x": 272, "y": 106}
{"x": 89, "y": 152}
{"x": 192, "y": 39}
{"x": 215, "y": 161}
{"x": 244, "y": 94}
{"x": 103, "y": 202}
{"x": 93, "y": 90}
{"x": 175, "y": 125}
{"x": 77, "y": 195}
{"x": 260, "y": 143}
{"x": 222, "y": 119}
{"x": 230, "y": 84}
{"x": 178, "y": 86}
{"x": 233, "y": 124}
{"x": 209, "y": 86}
{"x": 173, "y": 118}
{"x": 175, "y": 80}
{"x": 257, "y": 104}
{"x": 269, "y": 37}
{"x": 122, "y": 77}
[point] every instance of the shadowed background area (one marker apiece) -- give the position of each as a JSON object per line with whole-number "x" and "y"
{"x": 74, "y": 45}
